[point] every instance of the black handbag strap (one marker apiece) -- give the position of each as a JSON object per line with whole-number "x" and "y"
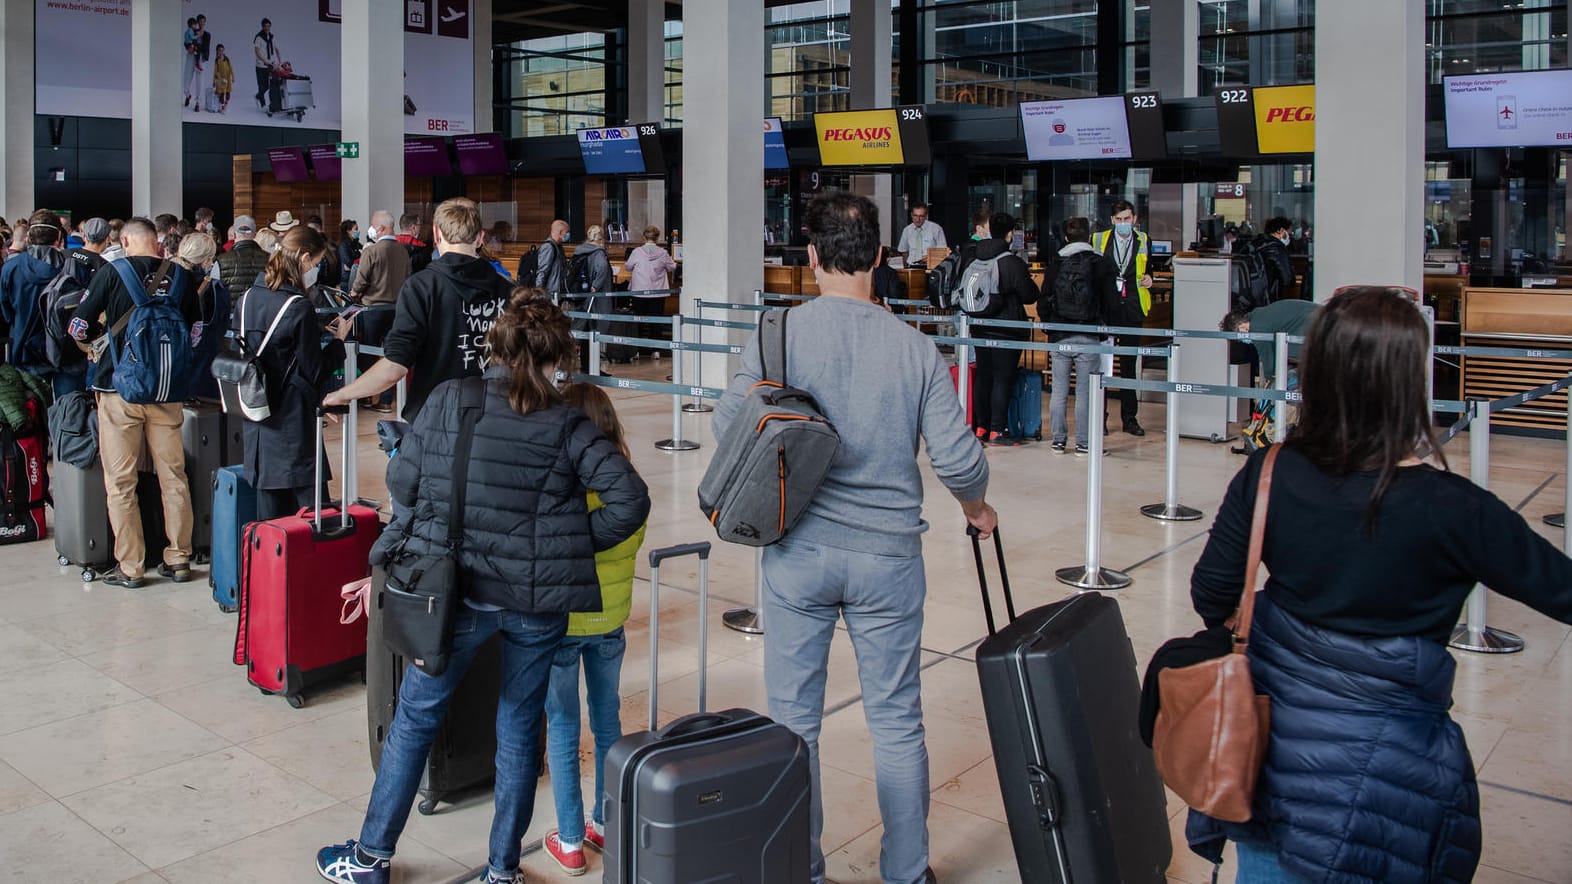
{"x": 472, "y": 403}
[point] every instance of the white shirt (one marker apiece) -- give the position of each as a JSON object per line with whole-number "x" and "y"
{"x": 916, "y": 241}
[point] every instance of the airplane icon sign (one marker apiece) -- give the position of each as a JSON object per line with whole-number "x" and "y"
{"x": 1506, "y": 112}
{"x": 450, "y": 15}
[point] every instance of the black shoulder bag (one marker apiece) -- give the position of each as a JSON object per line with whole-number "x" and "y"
{"x": 418, "y": 595}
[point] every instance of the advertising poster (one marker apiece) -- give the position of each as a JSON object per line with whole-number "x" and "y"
{"x": 1080, "y": 129}
{"x": 1285, "y": 119}
{"x": 238, "y": 71}
{"x": 859, "y": 138}
{"x": 1530, "y": 109}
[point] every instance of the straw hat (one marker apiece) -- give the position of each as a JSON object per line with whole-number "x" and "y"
{"x": 284, "y": 222}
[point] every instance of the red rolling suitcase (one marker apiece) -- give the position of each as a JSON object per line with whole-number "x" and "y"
{"x": 292, "y": 572}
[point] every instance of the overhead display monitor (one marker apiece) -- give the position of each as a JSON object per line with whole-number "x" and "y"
{"x": 325, "y": 163}
{"x": 427, "y": 157}
{"x": 622, "y": 150}
{"x": 896, "y": 136}
{"x": 481, "y": 154}
{"x": 289, "y": 164}
{"x": 1527, "y": 109}
{"x": 1252, "y": 121}
{"x": 775, "y": 144}
{"x": 1108, "y": 127}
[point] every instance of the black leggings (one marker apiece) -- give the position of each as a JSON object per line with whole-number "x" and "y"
{"x": 992, "y": 387}
{"x": 276, "y": 503}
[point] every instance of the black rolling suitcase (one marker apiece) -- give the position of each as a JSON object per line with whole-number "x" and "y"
{"x": 211, "y": 441}
{"x": 465, "y": 751}
{"x": 1062, "y": 697}
{"x": 711, "y": 797}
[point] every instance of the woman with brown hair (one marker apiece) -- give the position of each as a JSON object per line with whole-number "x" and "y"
{"x": 1373, "y": 553}
{"x": 280, "y": 326}
{"x": 526, "y": 560}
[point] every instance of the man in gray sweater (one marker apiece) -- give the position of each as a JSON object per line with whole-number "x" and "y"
{"x": 857, "y": 550}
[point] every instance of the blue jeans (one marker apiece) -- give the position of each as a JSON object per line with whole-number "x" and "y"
{"x": 602, "y": 657}
{"x": 529, "y": 643}
{"x": 1258, "y": 864}
{"x": 807, "y": 589}
{"x": 1084, "y": 365}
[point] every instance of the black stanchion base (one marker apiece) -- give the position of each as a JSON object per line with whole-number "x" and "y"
{"x": 1176, "y": 513}
{"x": 698, "y": 408}
{"x": 1556, "y": 520}
{"x": 1082, "y": 577}
{"x": 745, "y": 620}
{"x": 1485, "y": 641}
{"x": 677, "y": 445}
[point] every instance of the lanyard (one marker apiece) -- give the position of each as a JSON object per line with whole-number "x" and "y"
{"x": 1123, "y": 252}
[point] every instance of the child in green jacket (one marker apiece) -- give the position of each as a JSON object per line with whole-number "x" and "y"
{"x": 597, "y": 641}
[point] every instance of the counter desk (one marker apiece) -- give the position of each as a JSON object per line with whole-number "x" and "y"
{"x": 1518, "y": 318}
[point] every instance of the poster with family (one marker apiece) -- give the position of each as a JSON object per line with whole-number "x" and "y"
{"x": 254, "y": 62}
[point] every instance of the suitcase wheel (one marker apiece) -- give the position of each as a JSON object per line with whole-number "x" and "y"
{"x": 296, "y": 701}
{"x": 89, "y": 575}
{"x": 228, "y": 609}
{"x": 427, "y": 807}
{"x": 63, "y": 561}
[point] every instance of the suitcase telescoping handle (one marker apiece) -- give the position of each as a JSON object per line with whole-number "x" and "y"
{"x": 702, "y": 550}
{"x": 982, "y": 577}
{"x": 321, "y": 455}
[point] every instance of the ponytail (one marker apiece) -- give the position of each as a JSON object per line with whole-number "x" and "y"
{"x": 533, "y": 338}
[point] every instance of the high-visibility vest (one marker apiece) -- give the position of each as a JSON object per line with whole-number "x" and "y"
{"x": 1101, "y": 242}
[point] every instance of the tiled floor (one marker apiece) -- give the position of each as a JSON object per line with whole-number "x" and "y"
{"x": 132, "y": 749}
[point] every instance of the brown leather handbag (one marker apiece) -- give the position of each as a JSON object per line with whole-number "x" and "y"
{"x": 1212, "y": 727}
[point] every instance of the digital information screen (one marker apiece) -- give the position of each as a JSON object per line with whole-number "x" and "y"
{"x": 1266, "y": 120}
{"x": 1528, "y": 109}
{"x": 481, "y": 154}
{"x": 775, "y": 144}
{"x": 427, "y": 157}
{"x": 289, "y": 164}
{"x": 325, "y": 163}
{"x": 613, "y": 151}
{"x": 892, "y": 137}
{"x": 1076, "y": 129}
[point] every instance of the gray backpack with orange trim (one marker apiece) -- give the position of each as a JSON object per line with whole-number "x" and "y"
{"x": 774, "y": 455}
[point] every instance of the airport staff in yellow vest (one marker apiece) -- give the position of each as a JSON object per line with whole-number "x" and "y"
{"x": 1126, "y": 248}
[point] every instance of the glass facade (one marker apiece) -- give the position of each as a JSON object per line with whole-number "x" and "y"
{"x": 554, "y": 85}
{"x": 1256, "y": 42}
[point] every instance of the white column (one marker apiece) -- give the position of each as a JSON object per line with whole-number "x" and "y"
{"x": 872, "y": 45}
{"x": 646, "y": 104}
{"x": 16, "y": 108}
{"x": 372, "y": 41}
{"x": 157, "y": 131}
{"x": 723, "y": 157}
{"x": 1369, "y": 155}
{"x": 1176, "y": 58}
{"x": 480, "y": 33}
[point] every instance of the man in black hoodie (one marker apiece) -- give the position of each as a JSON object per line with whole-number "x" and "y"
{"x": 996, "y": 367}
{"x": 443, "y": 315}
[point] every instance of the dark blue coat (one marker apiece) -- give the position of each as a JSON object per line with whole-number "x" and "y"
{"x": 1367, "y": 778}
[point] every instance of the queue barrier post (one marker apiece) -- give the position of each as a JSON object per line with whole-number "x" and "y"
{"x": 963, "y": 358}
{"x": 676, "y": 442}
{"x": 350, "y": 484}
{"x": 594, "y": 350}
{"x": 1092, "y": 575}
{"x": 1473, "y": 634}
{"x": 1280, "y": 381}
{"x": 1171, "y": 510}
{"x": 697, "y": 406}
{"x": 401, "y": 393}
{"x": 750, "y": 620}
{"x": 1559, "y": 520}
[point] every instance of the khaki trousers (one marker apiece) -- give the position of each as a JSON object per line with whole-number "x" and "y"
{"x": 124, "y": 432}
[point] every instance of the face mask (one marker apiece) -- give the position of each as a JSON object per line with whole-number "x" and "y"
{"x": 1124, "y": 228}
{"x": 311, "y": 276}
{"x": 354, "y": 234}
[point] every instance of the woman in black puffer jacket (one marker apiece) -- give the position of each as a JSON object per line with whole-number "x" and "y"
{"x": 527, "y": 561}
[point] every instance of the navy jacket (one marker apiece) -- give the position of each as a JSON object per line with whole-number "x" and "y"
{"x": 1367, "y": 779}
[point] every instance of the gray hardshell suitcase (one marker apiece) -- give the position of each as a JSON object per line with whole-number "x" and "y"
{"x": 82, "y": 534}
{"x": 710, "y": 797}
{"x": 1062, "y": 697}
{"x": 212, "y": 441}
{"x": 774, "y": 456}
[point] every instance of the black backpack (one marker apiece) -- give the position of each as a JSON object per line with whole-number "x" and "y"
{"x": 941, "y": 281}
{"x": 1247, "y": 282}
{"x": 529, "y": 265}
{"x": 1073, "y": 298}
{"x": 580, "y": 278}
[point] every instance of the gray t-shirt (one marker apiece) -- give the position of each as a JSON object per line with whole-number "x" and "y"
{"x": 884, "y": 386}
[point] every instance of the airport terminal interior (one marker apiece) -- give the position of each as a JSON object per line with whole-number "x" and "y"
{"x": 1419, "y": 145}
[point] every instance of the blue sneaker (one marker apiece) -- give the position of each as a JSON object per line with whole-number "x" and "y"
{"x": 347, "y": 864}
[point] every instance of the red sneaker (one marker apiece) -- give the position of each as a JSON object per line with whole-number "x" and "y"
{"x": 571, "y": 862}
{"x": 594, "y": 840}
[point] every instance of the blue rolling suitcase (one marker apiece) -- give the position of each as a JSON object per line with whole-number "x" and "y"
{"x": 234, "y": 505}
{"x": 1025, "y": 417}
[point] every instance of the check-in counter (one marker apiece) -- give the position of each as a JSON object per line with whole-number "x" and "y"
{"x": 1520, "y": 319}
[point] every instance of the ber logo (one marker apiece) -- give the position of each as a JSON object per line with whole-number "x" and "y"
{"x": 436, "y": 125}
{"x": 1291, "y": 114}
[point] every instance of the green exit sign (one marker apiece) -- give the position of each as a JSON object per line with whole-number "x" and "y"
{"x": 349, "y": 150}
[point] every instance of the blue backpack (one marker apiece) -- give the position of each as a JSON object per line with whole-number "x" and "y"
{"x": 155, "y": 363}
